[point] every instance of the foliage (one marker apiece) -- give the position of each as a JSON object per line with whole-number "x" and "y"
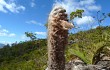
{"x": 31, "y": 35}
{"x": 23, "y": 55}
{"x": 77, "y": 13}
{"x": 96, "y": 56}
{"x": 89, "y": 44}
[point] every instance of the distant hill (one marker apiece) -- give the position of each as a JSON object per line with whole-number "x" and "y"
{"x": 1, "y": 45}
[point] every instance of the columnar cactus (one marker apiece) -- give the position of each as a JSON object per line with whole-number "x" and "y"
{"x": 58, "y": 27}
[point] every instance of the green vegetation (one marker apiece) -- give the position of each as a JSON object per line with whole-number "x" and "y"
{"x": 89, "y": 44}
{"x": 77, "y": 13}
{"x": 31, "y": 35}
{"x": 32, "y": 55}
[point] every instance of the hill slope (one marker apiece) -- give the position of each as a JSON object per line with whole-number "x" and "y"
{"x": 33, "y": 55}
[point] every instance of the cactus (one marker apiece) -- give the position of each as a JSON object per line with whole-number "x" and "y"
{"x": 58, "y": 27}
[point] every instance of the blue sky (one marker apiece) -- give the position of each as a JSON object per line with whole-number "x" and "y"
{"x": 20, "y": 16}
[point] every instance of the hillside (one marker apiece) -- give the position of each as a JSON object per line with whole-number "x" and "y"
{"x": 33, "y": 55}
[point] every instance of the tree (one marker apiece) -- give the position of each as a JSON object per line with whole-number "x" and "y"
{"x": 77, "y": 13}
{"x": 32, "y": 36}
{"x": 100, "y": 17}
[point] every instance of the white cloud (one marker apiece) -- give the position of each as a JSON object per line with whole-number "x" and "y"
{"x": 69, "y": 5}
{"x": 87, "y": 5}
{"x": 87, "y": 2}
{"x": 41, "y": 33}
{"x": 34, "y": 22}
{"x": 10, "y": 6}
{"x": 12, "y": 35}
{"x": 31, "y": 22}
{"x": 94, "y": 8}
{"x": 72, "y": 5}
{"x": 95, "y": 26}
{"x": 5, "y": 32}
{"x": 0, "y": 26}
{"x": 6, "y": 42}
{"x": 84, "y": 20}
{"x": 33, "y": 3}
{"x": 2, "y": 9}
{"x": 23, "y": 37}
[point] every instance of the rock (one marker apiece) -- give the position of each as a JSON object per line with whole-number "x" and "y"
{"x": 104, "y": 57}
{"x": 46, "y": 68}
{"x": 80, "y": 65}
{"x": 104, "y": 63}
{"x": 75, "y": 65}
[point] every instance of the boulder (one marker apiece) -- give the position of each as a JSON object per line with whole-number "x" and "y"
{"x": 80, "y": 65}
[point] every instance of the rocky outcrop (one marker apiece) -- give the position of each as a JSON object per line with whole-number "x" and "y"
{"x": 105, "y": 63}
{"x": 80, "y": 65}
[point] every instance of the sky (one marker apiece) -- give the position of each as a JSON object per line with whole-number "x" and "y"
{"x": 20, "y": 16}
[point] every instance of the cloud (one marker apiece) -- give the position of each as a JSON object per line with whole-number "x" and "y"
{"x": 5, "y": 32}
{"x": 34, "y": 22}
{"x": 87, "y": 2}
{"x": 72, "y": 5}
{"x": 6, "y": 42}
{"x": 87, "y": 5}
{"x": 95, "y": 26}
{"x": 41, "y": 33}
{"x": 84, "y": 20}
{"x": 23, "y": 37}
{"x": 10, "y": 6}
{"x": 31, "y": 22}
{"x": 33, "y": 3}
{"x": 0, "y": 26}
{"x": 12, "y": 35}
{"x": 94, "y": 8}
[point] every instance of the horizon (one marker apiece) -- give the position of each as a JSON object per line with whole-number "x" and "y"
{"x": 18, "y": 17}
